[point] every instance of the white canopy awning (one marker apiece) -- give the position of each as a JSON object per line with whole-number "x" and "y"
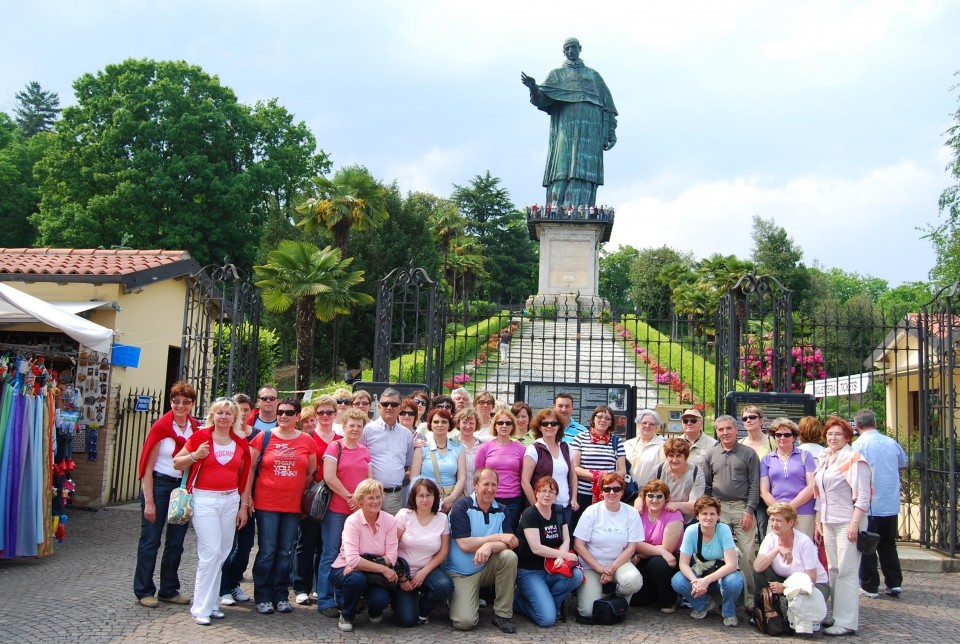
{"x": 60, "y": 315}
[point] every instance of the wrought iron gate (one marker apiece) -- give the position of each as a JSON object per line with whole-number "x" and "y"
{"x": 131, "y": 432}
{"x": 938, "y": 327}
{"x": 754, "y": 315}
{"x": 221, "y": 329}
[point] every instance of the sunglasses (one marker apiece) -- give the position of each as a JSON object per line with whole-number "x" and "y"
{"x": 325, "y": 412}
{"x": 444, "y": 406}
{"x": 749, "y": 417}
{"x": 287, "y": 412}
{"x": 344, "y": 401}
{"x": 549, "y": 423}
{"x": 484, "y": 402}
{"x": 389, "y": 404}
{"x": 651, "y": 495}
{"x": 407, "y": 412}
{"x": 182, "y": 401}
{"x": 779, "y": 435}
{"x": 419, "y": 402}
{"x": 361, "y": 403}
{"x": 609, "y": 489}
{"x": 504, "y": 423}
{"x": 268, "y": 398}
{"x": 690, "y": 421}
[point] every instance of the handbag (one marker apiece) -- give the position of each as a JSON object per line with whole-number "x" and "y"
{"x": 702, "y": 567}
{"x": 180, "y": 508}
{"x": 610, "y": 610}
{"x": 867, "y": 542}
{"x": 316, "y": 498}
{"x": 768, "y": 614}
{"x": 631, "y": 489}
{"x": 402, "y": 568}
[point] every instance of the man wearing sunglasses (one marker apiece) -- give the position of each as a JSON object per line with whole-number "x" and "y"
{"x": 264, "y": 415}
{"x": 391, "y": 450}
{"x": 700, "y": 443}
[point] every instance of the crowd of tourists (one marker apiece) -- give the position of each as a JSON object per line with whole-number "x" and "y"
{"x": 451, "y": 503}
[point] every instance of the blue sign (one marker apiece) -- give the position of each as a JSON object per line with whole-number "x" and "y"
{"x": 143, "y": 403}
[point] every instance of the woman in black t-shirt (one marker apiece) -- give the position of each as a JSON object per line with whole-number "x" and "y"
{"x": 547, "y": 570}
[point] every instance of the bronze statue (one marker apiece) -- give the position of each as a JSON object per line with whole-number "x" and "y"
{"x": 583, "y": 124}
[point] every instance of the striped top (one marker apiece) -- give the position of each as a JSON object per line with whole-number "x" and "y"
{"x": 596, "y": 456}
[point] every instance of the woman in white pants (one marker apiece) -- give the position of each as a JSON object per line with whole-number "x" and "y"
{"x": 217, "y": 460}
{"x": 606, "y": 538}
{"x": 843, "y": 489}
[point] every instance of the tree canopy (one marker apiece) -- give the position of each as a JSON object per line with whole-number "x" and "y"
{"x": 945, "y": 236}
{"x": 37, "y": 109}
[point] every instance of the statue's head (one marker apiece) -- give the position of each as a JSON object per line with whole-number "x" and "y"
{"x": 571, "y": 49}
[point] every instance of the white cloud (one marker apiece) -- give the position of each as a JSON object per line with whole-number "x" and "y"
{"x": 435, "y": 171}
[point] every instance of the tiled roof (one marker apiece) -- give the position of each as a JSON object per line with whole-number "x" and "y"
{"x": 84, "y": 261}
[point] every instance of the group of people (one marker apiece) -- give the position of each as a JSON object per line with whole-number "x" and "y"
{"x": 465, "y": 502}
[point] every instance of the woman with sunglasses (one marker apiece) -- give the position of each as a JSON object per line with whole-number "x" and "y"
{"x": 441, "y": 460}
{"x": 547, "y": 570}
{"x": 344, "y": 400}
{"x": 505, "y": 456}
{"x": 408, "y": 415}
{"x": 317, "y": 422}
{"x": 484, "y": 403}
{"x": 762, "y": 444}
{"x": 549, "y": 456}
{"x": 362, "y": 400}
{"x": 288, "y": 465}
{"x": 595, "y": 452}
{"x": 656, "y": 557}
{"x": 786, "y": 474}
{"x": 606, "y": 538}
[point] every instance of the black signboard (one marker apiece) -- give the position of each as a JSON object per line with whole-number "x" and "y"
{"x": 586, "y": 396}
{"x": 773, "y": 405}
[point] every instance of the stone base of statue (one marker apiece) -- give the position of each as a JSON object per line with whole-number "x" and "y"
{"x": 570, "y": 258}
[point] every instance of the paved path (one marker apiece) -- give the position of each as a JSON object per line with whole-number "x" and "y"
{"x": 83, "y": 594}
{"x": 566, "y": 350}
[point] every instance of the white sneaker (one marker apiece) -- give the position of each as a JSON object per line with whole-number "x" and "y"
{"x": 730, "y": 621}
{"x": 239, "y": 595}
{"x": 345, "y": 625}
{"x": 864, "y": 593}
{"x": 303, "y": 599}
{"x": 227, "y": 600}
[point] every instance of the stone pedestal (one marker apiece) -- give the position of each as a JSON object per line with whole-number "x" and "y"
{"x": 569, "y": 256}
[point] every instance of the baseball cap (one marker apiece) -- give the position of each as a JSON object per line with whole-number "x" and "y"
{"x": 692, "y": 412}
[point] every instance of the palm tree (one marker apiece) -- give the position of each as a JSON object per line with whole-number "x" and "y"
{"x": 318, "y": 282}
{"x": 352, "y": 200}
{"x": 466, "y": 265}
{"x": 447, "y": 225}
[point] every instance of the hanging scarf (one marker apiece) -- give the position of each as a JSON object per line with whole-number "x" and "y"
{"x": 844, "y": 460}
{"x": 161, "y": 429}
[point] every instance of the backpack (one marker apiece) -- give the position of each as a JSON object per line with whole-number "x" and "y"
{"x": 768, "y": 614}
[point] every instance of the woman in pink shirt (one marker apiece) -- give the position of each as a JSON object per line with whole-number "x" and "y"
{"x": 368, "y": 531}
{"x": 505, "y": 456}
{"x": 656, "y": 557}
{"x": 424, "y": 542}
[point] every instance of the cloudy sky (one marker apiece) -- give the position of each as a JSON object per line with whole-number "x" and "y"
{"x": 825, "y": 116}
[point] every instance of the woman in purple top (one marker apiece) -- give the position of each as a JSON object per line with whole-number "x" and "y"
{"x": 656, "y": 557}
{"x": 786, "y": 474}
{"x": 505, "y": 457}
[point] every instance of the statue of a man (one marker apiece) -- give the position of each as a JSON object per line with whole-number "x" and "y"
{"x": 583, "y": 124}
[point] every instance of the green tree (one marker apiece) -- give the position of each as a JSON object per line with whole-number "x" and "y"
{"x": 614, "y": 279}
{"x": 351, "y": 200}
{"x": 696, "y": 292}
{"x": 36, "y": 110}
{"x": 318, "y": 282}
{"x": 650, "y": 294}
{"x": 511, "y": 257}
{"x": 447, "y": 224}
{"x": 906, "y": 298}
{"x": 159, "y": 151}
{"x": 840, "y": 286}
{"x": 945, "y": 236}
{"x": 775, "y": 253}
{"x": 19, "y": 194}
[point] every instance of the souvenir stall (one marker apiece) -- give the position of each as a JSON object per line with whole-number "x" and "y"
{"x": 53, "y": 390}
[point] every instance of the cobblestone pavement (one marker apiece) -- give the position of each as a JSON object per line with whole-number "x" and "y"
{"x": 84, "y": 593}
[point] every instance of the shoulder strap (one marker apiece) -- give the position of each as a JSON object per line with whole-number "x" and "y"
{"x": 659, "y": 472}
{"x": 436, "y": 464}
{"x": 700, "y": 543}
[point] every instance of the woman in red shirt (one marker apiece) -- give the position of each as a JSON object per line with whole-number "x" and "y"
{"x": 217, "y": 460}
{"x": 288, "y": 465}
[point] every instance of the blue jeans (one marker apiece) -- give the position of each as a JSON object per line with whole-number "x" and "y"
{"x": 271, "y": 568}
{"x": 512, "y": 507}
{"x": 239, "y": 557}
{"x": 409, "y": 605}
{"x": 331, "y": 533}
{"x": 306, "y": 556}
{"x": 540, "y": 595}
{"x": 150, "y": 536}
{"x": 354, "y": 586}
{"x": 729, "y": 587}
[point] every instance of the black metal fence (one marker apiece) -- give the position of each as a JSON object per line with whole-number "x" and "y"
{"x": 133, "y": 424}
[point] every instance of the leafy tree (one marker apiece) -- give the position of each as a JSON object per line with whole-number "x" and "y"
{"x": 318, "y": 282}
{"x": 512, "y": 259}
{"x": 906, "y": 298}
{"x": 838, "y": 285}
{"x": 945, "y": 236}
{"x": 775, "y": 253}
{"x": 19, "y": 195}
{"x": 614, "y": 281}
{"x": 649, "y": 293}
{"x": 696, "y": 292}
{"x": 37, "y": 109}
{"x": 351, "y": 200}
{"x": 447, "y": 224}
